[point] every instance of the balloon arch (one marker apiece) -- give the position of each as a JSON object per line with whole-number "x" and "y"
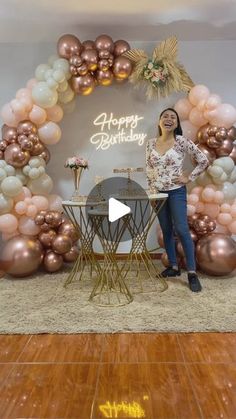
{"x": 33, "y": 229}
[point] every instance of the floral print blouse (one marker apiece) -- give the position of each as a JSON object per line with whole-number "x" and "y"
{"x": 162, "y": 170}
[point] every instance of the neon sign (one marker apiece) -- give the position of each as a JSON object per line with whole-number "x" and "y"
{"x": 113, "y": 410}
{"x": 116, "y": 131}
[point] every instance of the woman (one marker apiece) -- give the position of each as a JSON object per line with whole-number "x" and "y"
{"x": 164, "y": 159}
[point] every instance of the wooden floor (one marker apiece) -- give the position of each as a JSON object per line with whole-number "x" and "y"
{"x": 118, "y": 376}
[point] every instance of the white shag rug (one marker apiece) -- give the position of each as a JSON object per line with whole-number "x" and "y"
{"x": 41, "y": 304}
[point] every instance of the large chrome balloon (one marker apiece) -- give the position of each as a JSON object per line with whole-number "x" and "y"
{"x": 216, "y": 254}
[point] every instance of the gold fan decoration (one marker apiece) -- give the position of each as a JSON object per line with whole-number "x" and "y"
{"x": 161, "y": 74}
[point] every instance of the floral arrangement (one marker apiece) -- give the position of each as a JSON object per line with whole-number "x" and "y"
{"x": 75, "y": 162}
{"x": 159, "y": 74}
{"x": 156, "y": 73}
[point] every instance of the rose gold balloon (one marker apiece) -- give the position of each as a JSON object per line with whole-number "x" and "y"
{"x": 15, "y": 156}
{"x": 57, "y": 219}
{"x": 212, "y": 130}
{"x": 3, "y": 145}
{"x": 90, "y": 56}
{"x": 225, "y": 148}
{"x": 216, "y": 254}
{"x": 103, "y": 65}
{"x": 104, "y": 54}
{"x": 82, "y": 70}
{"x": 192, "y": 218}
{"x": 45, "y": 227}
{"x": 52, "y": 262}
{"x": 24, "y": 255}
{"x": 165, "y": 260}
{"x": 180, "y": 249}
{"x": 193, "y": 235}
{"x": 49, "y": 217}
{"x": 221, "y": 133}
{"x": 68, "y": 45}
{"x": 61, "y": 244}
{"x": 39, "y": 219}
{"x": 213, "y": 142}
{"x": 9, "y": 133}
{"x": 104, "y": 42}
{"x": 76, "y": 61}
{"x": 68, "y": 229}
{"x": 26, "y": 145}
{"x": 89, "y": 44}
{"x": 202, "y": 134}
{"x": 46, "y": 238}
{"x": 200, "y": 226}
{"x": 37, "y": 149}
{"x": 26, "y": 127}
{"x": 211, "y": 226}
{"x": 120, "y": 47}
{"x": 122, "y": 68}
{"x": 83, "y": 85}
{"x": 73, "y": 70}
{"x": 1, "y": 155}
{"x": 232, "y": 133}
{"x": 209, "y": 153}
{"x": 233, "y": 153}
{"x": 72, "y": 255}
{"x": 45, "y": 155}
{"x": 104, "y": 78}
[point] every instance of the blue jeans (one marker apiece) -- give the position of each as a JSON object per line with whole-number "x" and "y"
{"x": 173, "y": 219}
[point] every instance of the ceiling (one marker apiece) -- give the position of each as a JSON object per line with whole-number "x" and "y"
{"x": 133, "y": 20}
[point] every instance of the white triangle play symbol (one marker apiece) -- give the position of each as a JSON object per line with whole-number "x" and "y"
{"x": 117, "y": 209}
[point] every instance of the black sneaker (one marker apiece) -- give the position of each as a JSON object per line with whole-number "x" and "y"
{"x": 194, "y": 283}
{"x": 170, "y": 272}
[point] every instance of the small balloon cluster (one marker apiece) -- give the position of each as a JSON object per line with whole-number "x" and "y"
{"x": 94, "y": 63}
{"x": 216, "y": 141}
{"x": 58, "y": 236}
{"x": 19, "y": 143}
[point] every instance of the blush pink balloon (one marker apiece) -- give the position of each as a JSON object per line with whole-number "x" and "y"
{"x": 18, "y": 109}
{"x": 31, "y": 211}
{"x": 212, "y": 210}
{"x": 197, "y": 190}
{"x": 55, "y": 203}
{"x": 232, "y": 227}
{"x": 8, "y": 236}
{"x": 224, "y": 115}
{"x": 193, "y": 199}
{"x": 208, "y": 194}
{"x": 224, "y": 219}
{"x": 8, "y": 223}
{"x": 8, "y": 116}
{"x": 200, "y": 207}
{"x": 31, "y": 83}
{"x": 225, "y": 208}
{"x": 55, "y": 114}
{"x": 49, "y": 133}
{"x": 196, "y": 118}
{"x": 190, "y": 210}
{"x": 183, "y": 108}
{"x": 218, "y": 197}
{"x": 233, "y": 211}
{"x": 28, "y": 227}
{"x": 21, "y": 207}
{"x": 221, "y": 229}
{"x": 24, "y": 194}
{"x": 41, "y": 202}
{"x": 37, "y": 115}
{"x": 212, "y": 102}
{"x": 189, "y": 130}
{"x": 197, "y": 93}
{"x": 201, "y": 105}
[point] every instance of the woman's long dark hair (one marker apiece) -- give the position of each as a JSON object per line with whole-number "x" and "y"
{"x": 178, "y": 129}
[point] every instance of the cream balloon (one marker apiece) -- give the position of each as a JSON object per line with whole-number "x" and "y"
{"x": 8, "y": 223}
{"x": 6, "y": 204}
{"x": 49, "y": 133}
{"x": 41, "y": 186}
{"x": 11, "y": 186}
{"x": 40, "y": 71}
{"x": 62, "y": 64}
{"x": 66, "y": 96}
{"x": 44, "y": 96}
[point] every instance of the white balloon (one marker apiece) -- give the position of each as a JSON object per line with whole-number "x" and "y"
{"x": 229, "y": 190}
{"x": 232, "y": 177}
{"x": 63, "y": 64}
{"x": 59, "y": 75}
{"x": 3, "y": 164}
{"x": 44, "y": 96}
{"x": 41, "y": 70}
{"x": 52, "y": 83}
{"x": 3, "y": 174}
{"x": 226, "y": 163}
{"x": 215, "y": 171}
{"x": 21, "y": 176}
{"x": 10, "y": 170}
{"x": 62, "y": 86}
{"x": 67, "y": 96}
{"x": 11, "y": 186}
{"x": 52, "y": 59}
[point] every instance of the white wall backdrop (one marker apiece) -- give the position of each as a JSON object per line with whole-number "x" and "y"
{"x": 211, "y": 63}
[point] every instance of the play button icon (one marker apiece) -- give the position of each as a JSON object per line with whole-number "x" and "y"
{"x": 117, "y": 209}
